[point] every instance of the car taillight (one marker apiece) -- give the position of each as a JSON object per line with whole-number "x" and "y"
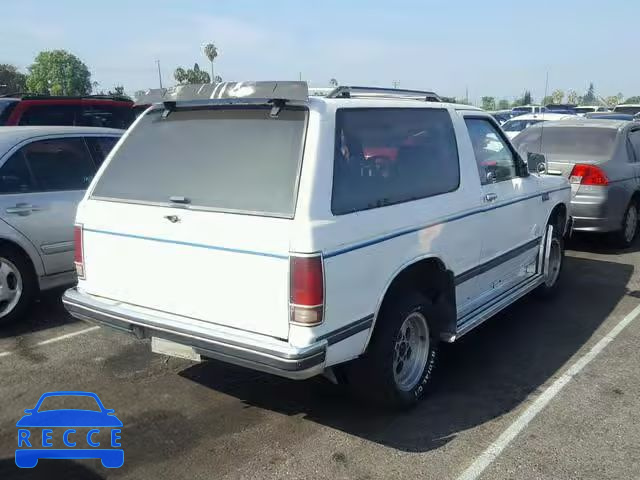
{"x": 588, "y": 175}
{"x": 78, "y": 256}
{"x": 306, "y": 288}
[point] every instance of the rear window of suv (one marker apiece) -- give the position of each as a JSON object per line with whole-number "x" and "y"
{"x": 237, "y": 160}
{"x": 385, "y": 156}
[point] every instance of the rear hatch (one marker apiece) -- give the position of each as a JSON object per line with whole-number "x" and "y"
{"x": 192, "y": 214}
{"x": 566, "y": 146}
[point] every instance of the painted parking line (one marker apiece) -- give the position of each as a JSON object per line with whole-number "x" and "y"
{"x": 53, "y": 340}
{"x": 495, "y": 449}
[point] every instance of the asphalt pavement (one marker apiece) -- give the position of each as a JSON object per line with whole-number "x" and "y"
{"x": 212, "y": 420}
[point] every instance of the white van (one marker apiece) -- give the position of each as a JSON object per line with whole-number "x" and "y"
{"x": 294, "y": 234}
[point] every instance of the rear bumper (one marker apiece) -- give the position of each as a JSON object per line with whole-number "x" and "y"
{"x": 250, "y": 350}
{"x": 594, "y": 214}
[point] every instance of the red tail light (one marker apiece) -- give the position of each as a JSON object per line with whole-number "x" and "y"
{"x": 78, "y": 256}
{"x": 306, "y": 290}
{"x": 588, "y": 175}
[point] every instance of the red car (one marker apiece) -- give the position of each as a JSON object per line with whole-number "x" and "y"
{"x": 89, "y": 111}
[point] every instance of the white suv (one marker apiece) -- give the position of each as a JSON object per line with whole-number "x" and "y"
{"x": 293, "y": 234}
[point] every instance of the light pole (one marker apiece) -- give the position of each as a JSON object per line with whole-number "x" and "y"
{"x": 159, "y": 74}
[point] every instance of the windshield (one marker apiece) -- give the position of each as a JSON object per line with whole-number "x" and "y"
{"x": 233, "y": 159}
{"x": 518, "y": 125}
{"x": 585, "y": 109}
{"x": 521, "y": 110}
{"x": 587, "y": 143}
{"x": 631, "y": 110}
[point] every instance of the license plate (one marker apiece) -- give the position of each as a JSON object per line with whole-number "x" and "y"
{"x": 173, "y": 349}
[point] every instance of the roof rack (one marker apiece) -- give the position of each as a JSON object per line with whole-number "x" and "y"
{"x": 43, "y": 96}
{"x": 380, "y": 92}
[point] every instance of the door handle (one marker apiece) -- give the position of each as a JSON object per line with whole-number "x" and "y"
{"x": 491, "y": 197}
{"x": 22, "y": 209}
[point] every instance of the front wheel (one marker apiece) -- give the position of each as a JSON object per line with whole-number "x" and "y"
{"x": 553, "y": 267}
{"x": 17, "y": 285}
{"x": 398, "y": 367}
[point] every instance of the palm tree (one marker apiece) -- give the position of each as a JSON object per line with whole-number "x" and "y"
{"x": 333, "y": 82}
{"x": 211, "y": 53}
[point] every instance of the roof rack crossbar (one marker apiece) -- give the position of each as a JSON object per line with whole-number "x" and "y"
{"x": 345, "y": 91}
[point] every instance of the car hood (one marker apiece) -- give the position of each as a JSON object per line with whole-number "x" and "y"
{"x": 69, "y": 418}
{"x": 511, "y": 135}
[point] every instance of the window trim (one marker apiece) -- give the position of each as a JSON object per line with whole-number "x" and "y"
{"x": 635, "y": 156}
{"x": 520, "y": 165}
{"x": 339, "y": 111}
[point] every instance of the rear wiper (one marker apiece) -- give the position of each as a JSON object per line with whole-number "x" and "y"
{"x": 181, "y": 200}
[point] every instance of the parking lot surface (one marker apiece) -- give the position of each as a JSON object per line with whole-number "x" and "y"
{"x": 212, "y": 420}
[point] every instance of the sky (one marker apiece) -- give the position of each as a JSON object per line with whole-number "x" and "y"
{"x": 491, "y": 47}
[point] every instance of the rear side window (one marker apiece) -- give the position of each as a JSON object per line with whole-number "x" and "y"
{"x": 234, "y": 159}
{"x": 100, "y": 147}
{"x": 60, "y": 164}
{"x": 6, "y": 107}
{"x": 385, "y": 156}
{"x": 15, "y": 176}
{"x": 49, "y": 115}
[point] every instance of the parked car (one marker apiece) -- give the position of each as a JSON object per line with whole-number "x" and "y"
{"x": 43, "y": 174}
{"x": 631, "y": 109}
{"x": 601, "y": 159}
{"x": 610, "y": 116}
{"x": 264, "y": 240}
{"x": 583, "y": 109}
{"x": 563, "y": 108}
{"x": 527, "y": 109}
{"x": 502, "y": 115}
{"x": 517, "y": 124}
{"x": 86, "y": 111}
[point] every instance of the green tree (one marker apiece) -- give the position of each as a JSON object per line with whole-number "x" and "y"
{"x": 488, "y": 103}
{"x": 590, "y": 97}
{"x": 58, "y": 72}
{"x": 118, "y": 91}
{"x": 211, "y": 52}
{"x": 504, "y": 104}
{"x": 635, "y": 99}
{"x": 572, "y": 97}
{"x": 526, "y": 98}
{"x": 547, "y": 100}
{"x": 192, "y": 75}
{"x": 612, "y": 100}
{"x": 11, "y": 80}
{"x": 558, "y": 96}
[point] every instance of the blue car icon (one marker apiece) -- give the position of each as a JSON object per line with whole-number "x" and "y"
{"x": 29, "y": 452}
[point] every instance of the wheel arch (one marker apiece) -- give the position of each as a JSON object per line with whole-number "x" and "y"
{"x": 561, "y": 212}
{"x": 409, "y": 272}
{"x": 26, "y": 249}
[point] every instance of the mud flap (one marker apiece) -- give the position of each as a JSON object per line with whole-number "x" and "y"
{"x": 444, "y": 306}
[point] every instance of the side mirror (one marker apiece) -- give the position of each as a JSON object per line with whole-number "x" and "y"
{"x": 491, "y": 177}
{"x": 537, "y": 163}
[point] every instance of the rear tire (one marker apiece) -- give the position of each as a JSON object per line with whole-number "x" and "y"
{"x": 629, "y": 230}
{"x": 397, "y": 369}
{"x": 18, "y": 285}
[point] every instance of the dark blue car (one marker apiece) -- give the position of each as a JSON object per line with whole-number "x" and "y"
{"x": 28, "y": 452}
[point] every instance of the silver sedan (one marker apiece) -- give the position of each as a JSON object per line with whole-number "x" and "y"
{"x": 44, "y": 172}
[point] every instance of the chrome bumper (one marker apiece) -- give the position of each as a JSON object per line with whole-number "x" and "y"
{"x": 250, "y": 350}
